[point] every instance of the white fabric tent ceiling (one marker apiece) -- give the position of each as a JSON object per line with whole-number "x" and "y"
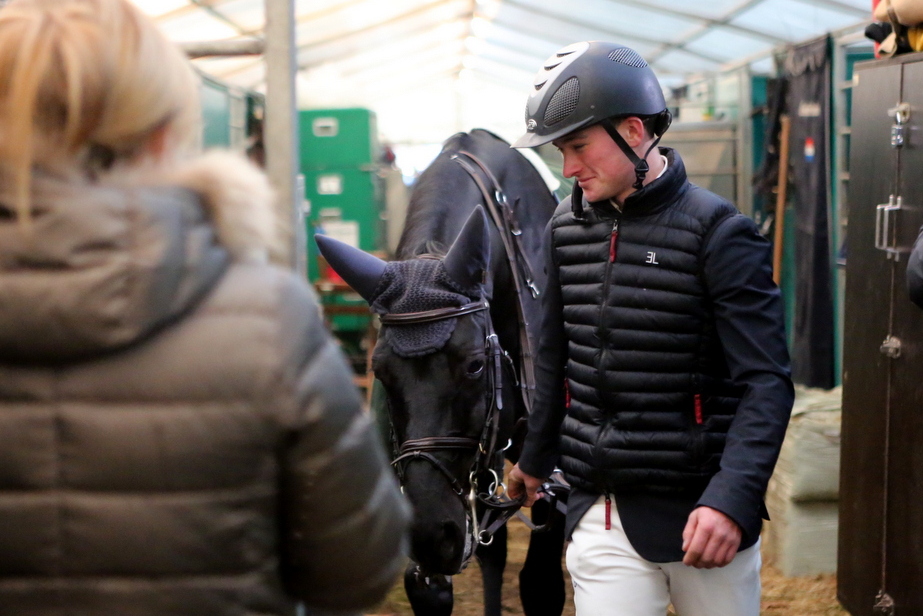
{"x": 432, "y": 67}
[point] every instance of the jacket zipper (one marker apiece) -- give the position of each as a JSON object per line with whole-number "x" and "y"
{"x": 613, "y": 242}
{"x": 698, "y": 409}
{"x": 601, "y": 326}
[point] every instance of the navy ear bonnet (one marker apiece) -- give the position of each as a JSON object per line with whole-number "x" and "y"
{"x": 414, "y": 286}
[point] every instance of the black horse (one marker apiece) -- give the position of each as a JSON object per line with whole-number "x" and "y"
{"x": 460, "y": 314}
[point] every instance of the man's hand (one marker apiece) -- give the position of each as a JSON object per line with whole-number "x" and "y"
{"x": 710, "y": 539}
{"x": 520, "y": 483}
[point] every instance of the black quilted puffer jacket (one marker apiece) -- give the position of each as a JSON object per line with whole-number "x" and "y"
{"x": 663, "y": 365}
{"x": 179, "y": 436}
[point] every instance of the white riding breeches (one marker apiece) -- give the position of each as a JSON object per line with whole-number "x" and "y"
{"x": 611, "y": 579}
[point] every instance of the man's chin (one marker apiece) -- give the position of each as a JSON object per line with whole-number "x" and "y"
{"x": 591, "y": 196}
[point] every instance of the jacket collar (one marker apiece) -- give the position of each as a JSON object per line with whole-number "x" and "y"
{"x": 111, "y": 261}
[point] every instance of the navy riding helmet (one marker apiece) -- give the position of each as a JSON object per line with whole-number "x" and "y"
{"x": 586, "y": 83}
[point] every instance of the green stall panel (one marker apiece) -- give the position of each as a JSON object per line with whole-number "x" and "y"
{"x": 346, "y": 204}
{"x": 839, "y": 154}
{"x": 332, "y": 138}
{"x": 758, "y": 99}
{"x": 216, "y": 114}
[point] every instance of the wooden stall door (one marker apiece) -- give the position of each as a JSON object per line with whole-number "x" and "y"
{"x": 904, "y": 521}
{"x": 880, "y": 548}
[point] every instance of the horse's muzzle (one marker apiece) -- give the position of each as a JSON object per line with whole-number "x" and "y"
{"x": 438, "y": 547}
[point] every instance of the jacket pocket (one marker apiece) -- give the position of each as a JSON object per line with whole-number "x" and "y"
{"x": 696, "y": 416}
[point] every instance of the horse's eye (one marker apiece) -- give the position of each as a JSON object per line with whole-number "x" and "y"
{"x": 475, "y": 367}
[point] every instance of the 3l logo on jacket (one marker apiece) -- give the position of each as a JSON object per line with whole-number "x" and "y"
{"x": 652, "y": 258}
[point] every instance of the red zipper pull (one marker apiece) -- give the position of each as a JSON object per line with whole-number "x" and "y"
{"x": 608, "y": 513}
{"x": 566, "y": 394}
{"x": 613, "y": 239}
{"x": 698, "y": 409}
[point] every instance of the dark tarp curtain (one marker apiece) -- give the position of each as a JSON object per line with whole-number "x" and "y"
{"x": 766, "y": 178}
{"x": 808, "y": 104}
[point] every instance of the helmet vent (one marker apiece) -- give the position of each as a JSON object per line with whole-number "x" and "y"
{"x": 564, "y": 102}
{"x": 625, "y": 55}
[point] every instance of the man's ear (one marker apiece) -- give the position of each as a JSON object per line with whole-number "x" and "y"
{"x": 632, "y": 129}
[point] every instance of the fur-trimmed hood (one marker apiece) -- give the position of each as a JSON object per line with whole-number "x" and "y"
{"x": 110, "y": 261}
{"x": 235, "y": 194}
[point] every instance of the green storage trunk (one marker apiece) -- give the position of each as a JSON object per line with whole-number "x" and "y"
{"x": 339, "y": 160}
{"x": 345, "y": 204}
{"x": 334, "y": 138}
{"x": 348, "y": 201}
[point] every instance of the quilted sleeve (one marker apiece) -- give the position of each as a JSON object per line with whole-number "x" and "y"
{"x": 345, "y": 521}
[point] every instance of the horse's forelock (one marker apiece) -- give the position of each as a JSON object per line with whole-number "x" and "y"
{"x": 433, "y": 250}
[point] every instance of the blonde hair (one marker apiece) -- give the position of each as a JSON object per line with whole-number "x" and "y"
{"x": 84, "y": 84}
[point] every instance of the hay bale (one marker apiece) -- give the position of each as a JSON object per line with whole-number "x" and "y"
{"x": 801, "y": 538}
{"x": 802, "y": 497}
{"x": 809, "y": 463}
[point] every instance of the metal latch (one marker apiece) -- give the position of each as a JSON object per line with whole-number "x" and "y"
{"x": 884, "y": 605}
{"x": 901, "y": 115}
{"x": 885, "y": 229}
{"x": 891, "y": 347}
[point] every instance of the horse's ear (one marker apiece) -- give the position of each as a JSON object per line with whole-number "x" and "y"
{"x": 469, "y": 255}
{"x": 358, "y": 268}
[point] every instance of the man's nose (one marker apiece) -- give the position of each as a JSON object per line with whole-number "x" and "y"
{"x": 570, "y": 166}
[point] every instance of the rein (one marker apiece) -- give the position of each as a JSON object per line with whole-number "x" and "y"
{"x": 523, "y": 277}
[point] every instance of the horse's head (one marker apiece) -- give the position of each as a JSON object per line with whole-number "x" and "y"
{"x": 440, "y": 362}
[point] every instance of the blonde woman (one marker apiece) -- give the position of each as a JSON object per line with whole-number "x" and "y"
{"x": 178, "y": 434}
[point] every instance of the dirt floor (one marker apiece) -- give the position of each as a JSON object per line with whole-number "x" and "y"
{"x": 798, "y": 596}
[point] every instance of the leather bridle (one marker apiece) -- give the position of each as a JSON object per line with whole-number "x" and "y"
{"x": 421, "y": 447}
{"x": 498, "y": 507}
{"x": 485, "y": 447}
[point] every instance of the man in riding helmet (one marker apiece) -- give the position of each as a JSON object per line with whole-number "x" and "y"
{"x": 664, "y": 387}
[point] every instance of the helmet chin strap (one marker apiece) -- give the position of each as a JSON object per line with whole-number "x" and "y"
{"x": 641, "y": 166}
{"x": 576, "y": 201}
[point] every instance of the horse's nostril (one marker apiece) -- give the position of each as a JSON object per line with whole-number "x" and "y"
{"x": 452, "y": 546}
{"x": 452, "y": 536}
{"x": 439, "y": 548}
